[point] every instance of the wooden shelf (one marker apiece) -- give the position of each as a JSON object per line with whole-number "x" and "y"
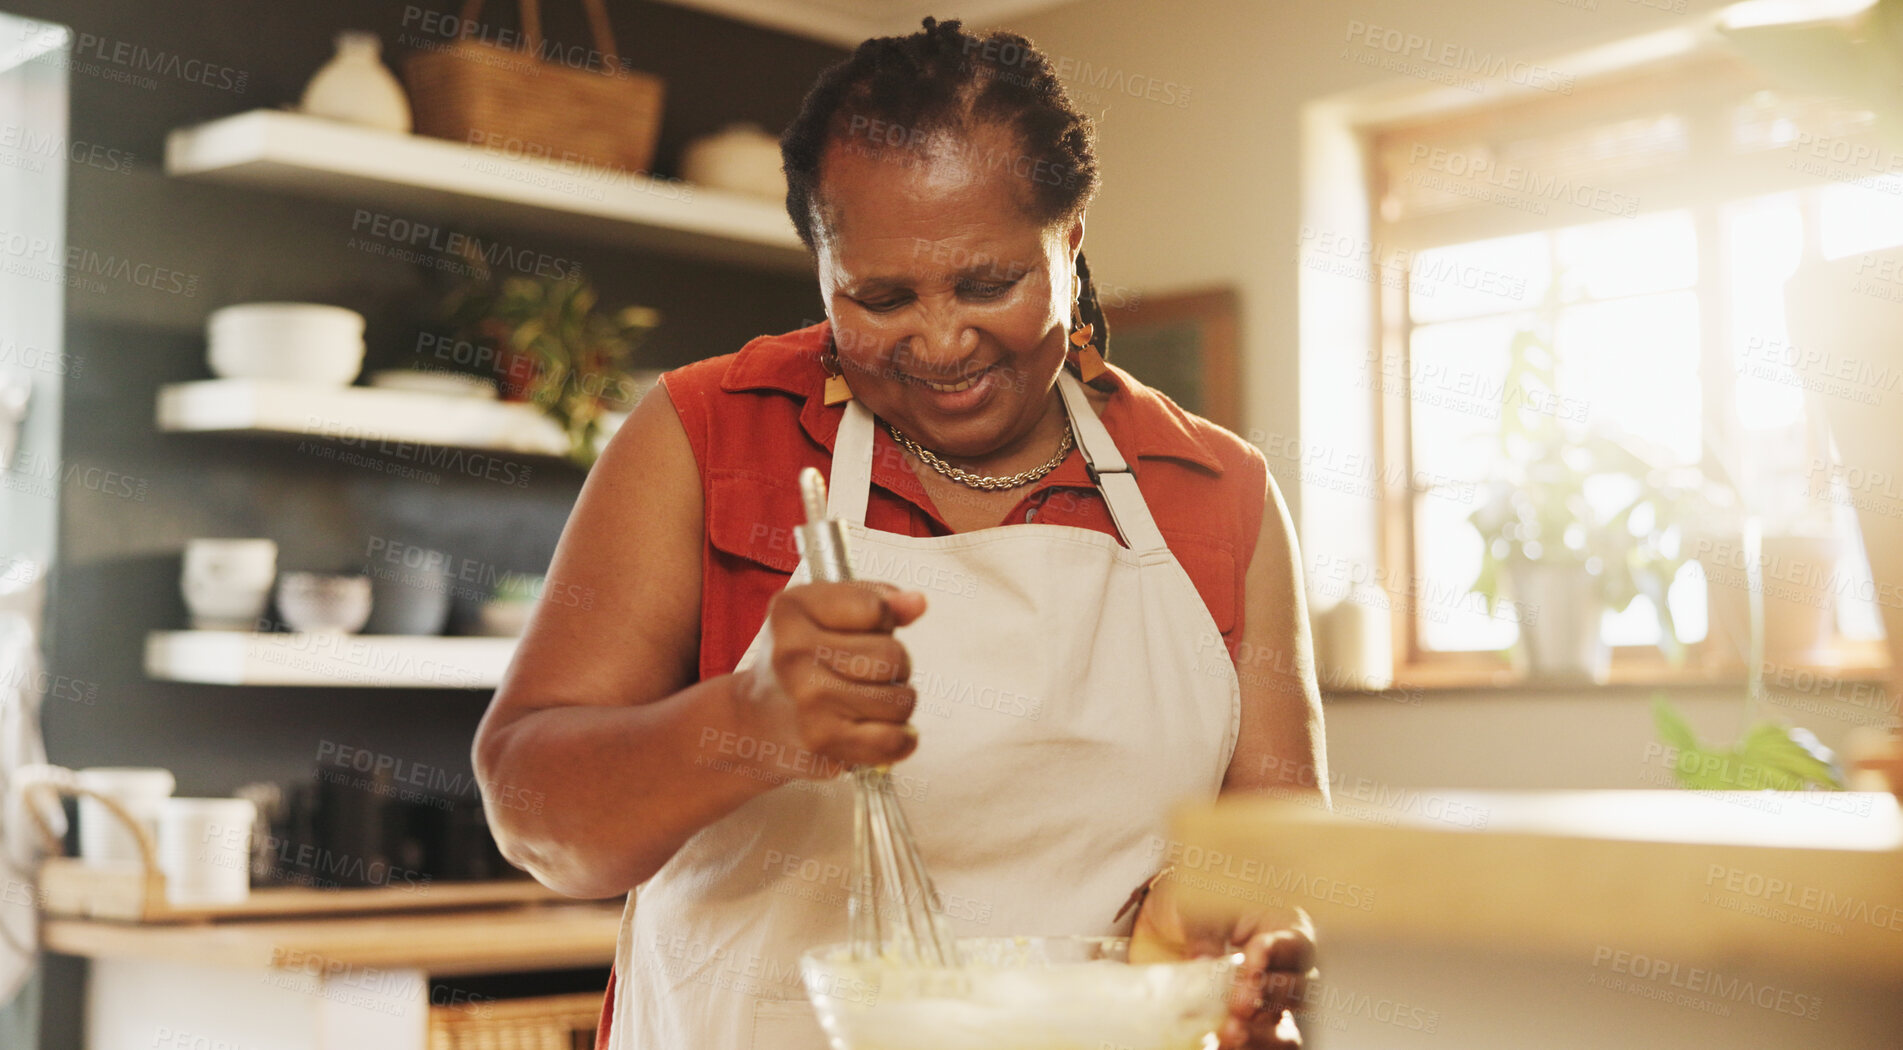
{"x": 414, "y": 179}
{"x": 360, "y": 416}
{"x": 449, "y": 943}
{"x": 126, "y": 892}
{"x": 337, "y": 661}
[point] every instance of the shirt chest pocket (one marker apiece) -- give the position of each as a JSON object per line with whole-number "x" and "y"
{"x": 750, "y": 522}
{"x": 753, "y": 518}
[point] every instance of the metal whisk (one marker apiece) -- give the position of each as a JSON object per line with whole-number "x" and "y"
{"x": 895, "y": 911}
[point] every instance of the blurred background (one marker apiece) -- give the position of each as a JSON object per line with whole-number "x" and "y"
{"x": 1498, "y": 287}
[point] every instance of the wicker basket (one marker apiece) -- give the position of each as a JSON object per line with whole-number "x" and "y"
{"x": 551, "y": 1022}
{"x": 592, "y": 112}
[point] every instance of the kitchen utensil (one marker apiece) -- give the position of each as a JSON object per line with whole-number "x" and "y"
{"x": 410, "y": 595}
{"x": 104, "y": 839}
{"x": 293, "y": 342}
{"x": 590, "y": 109}
{"x": 894, "y": 910}
{"x": 323, "y": 603}
{"x": 226, "y": 582}
{"x": 429, "y": 381}
{"x": 357, "y": 88}
{"x": 205, "y": 849}
{"x": 739, "y": 157}
{"x": 1020, "y": 993}
{"x": 352, "y": 815}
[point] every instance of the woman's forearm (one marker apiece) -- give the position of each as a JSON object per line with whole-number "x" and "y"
{"x": 592, "y": 799}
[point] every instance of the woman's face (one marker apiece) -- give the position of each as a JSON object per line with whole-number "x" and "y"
{"x": 949, "y": 302}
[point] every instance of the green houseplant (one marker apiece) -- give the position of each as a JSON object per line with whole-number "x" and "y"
{"x": 554, "y": 349}
{"x": 1771, "y": 755}
{"x": 1540, "y": 524}
{"x": 1578, "y": 521}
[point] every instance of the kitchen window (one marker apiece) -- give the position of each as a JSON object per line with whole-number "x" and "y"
{"x": 1610, "y": 265}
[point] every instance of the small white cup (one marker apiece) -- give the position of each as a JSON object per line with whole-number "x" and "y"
{"x": 205, "y": 849}
{"x": 104, "y": 838}
{"x": 227, "y": 583}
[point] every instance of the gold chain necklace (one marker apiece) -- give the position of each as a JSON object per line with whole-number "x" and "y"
{"x": 987, "y": 482}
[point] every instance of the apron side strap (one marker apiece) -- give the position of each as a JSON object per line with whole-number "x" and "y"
{"x": 1130, "y": 513}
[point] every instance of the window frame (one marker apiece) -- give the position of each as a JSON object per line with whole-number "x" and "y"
{"x": 1709, "y": 660}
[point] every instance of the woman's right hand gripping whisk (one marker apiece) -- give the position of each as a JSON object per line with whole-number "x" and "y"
{"x": 833, "y": 690}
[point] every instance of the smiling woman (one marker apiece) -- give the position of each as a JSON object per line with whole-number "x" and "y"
{"x": 1039, "y": 526}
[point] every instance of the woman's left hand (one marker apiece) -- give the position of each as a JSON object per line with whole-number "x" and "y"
{"x": 1271, "y": 987}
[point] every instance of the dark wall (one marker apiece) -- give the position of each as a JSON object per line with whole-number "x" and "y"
{"x": 121, "y": 543}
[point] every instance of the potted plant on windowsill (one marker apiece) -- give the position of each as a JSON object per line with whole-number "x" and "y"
{"x": 1577, "y": 523}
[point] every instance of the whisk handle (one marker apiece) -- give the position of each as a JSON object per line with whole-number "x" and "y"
{"x": 821, "y": 540}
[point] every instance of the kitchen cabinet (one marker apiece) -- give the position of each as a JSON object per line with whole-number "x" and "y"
{"x": 332, "y": 984}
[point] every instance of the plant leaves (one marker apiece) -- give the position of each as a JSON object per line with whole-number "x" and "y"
{"x": 1772, "y": 757}
{"x": 1772, "y": 748}
{"x": 1671, "y": 725}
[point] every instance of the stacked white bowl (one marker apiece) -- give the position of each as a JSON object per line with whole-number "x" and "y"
{"x": 227, "y": 582}
{"x": 291, "y": 342}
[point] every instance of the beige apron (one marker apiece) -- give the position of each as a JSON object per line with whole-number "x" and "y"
{"x": 1062, "y": 712}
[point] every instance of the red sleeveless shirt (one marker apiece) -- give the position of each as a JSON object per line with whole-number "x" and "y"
{"x": 755, "y": 417}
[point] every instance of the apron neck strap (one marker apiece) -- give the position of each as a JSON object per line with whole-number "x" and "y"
{"x": 851, "y": 477}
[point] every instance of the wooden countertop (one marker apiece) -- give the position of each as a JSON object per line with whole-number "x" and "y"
{"x": 493, "y": 940}
{"x": 1812, "y": 880}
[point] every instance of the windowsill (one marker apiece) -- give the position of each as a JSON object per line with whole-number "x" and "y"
{"x": 1414, "y": 680}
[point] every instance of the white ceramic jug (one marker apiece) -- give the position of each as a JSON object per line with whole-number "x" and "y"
{"x": 356, "y": 87}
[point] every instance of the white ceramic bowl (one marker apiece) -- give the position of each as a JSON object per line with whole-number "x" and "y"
{"x": 293, "y": 342}
{"x": 322, "y": 603}
{"x": 1020, "y": 993}
{"x": 236, "y": 562}
{"x": 218, "y": 607}
{"x": 739, "y": 157}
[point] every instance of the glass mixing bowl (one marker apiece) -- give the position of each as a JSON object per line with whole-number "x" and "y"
{"x": 1020, "y": 993}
